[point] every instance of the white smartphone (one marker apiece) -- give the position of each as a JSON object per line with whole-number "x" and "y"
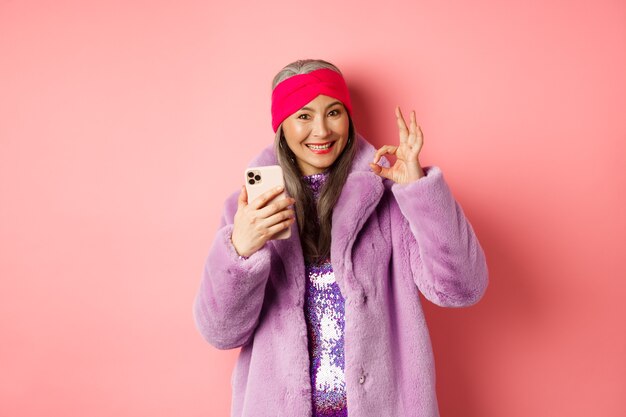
{"x": 261, "y": 179}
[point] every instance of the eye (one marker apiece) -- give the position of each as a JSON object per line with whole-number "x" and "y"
{"x": 334, "y": 112}
{"x": 303, "y": 116}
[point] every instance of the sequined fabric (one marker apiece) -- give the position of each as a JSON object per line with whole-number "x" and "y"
{"x": 324, "y": 312}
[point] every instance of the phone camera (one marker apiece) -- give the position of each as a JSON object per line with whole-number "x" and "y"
{"x": 253, "y": 176}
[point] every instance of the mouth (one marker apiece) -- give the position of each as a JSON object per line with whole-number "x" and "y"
{"x": 320, "y": 148}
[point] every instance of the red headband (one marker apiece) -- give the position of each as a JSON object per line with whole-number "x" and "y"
{"x": 293, "y": 93}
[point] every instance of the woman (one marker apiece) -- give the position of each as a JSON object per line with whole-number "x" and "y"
{"x": 329, "y": 321}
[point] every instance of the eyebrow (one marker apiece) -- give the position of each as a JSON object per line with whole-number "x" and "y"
{"x": 327, "y": 107}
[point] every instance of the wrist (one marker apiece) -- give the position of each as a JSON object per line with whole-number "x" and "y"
{"x": 240, "y": 254}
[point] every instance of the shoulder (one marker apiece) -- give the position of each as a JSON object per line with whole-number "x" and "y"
{"x": 364, "y": 155}
{"x": 267, "y": 156}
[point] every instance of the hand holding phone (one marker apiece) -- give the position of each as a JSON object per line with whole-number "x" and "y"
{"x": 263, "y": 211}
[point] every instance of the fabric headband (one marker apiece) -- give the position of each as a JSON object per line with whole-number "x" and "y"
{"x": 293, "y": 93}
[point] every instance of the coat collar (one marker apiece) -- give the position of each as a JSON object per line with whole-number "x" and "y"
{"x": 359, "y": 196}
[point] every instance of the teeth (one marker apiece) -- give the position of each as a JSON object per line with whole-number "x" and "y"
{"x": 319, "y": 148}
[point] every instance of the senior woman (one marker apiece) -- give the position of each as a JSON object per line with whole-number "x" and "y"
{"x": 329, "y": 321}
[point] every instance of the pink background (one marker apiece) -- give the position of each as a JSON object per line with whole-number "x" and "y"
{"x": 125, "y": 124}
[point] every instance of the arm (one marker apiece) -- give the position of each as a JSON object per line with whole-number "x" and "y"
{"x": 228, "y": 303}
{"x": 447, "y": 262}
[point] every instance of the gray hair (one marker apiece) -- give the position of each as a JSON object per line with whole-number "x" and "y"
{"x": 314, "y": 237}
{"x": 302, "y": 66}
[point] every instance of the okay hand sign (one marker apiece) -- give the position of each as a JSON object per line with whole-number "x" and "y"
{"x": 407, "y": 167}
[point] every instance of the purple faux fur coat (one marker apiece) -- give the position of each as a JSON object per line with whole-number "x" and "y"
{"x": 388, "y": 241}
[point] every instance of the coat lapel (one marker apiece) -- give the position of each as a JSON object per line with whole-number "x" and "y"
{"x": 359, "y": 197}
{"x": 290, "y": 253}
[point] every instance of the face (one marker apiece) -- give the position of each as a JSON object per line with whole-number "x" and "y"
{"x": 317, "y": 133}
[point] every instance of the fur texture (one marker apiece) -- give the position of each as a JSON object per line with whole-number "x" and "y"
{"x": 388, "y": 241}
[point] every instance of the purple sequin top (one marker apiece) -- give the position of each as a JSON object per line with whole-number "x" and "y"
{"x": 324, "y": 312}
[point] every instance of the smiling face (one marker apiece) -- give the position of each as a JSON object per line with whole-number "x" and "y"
{"x": 317, "y": 133}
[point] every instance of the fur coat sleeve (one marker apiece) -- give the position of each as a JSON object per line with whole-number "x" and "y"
{"x": 230, "y": 297}
{"x": 446, "y": 261}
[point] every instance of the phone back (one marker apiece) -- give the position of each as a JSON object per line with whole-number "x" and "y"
{"x": 261, "y": 179}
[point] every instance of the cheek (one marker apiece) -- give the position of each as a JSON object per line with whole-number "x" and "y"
{"x": 294, "y": 133}
{"x": 342, "y": 126}
{"x": 290, "y": 137}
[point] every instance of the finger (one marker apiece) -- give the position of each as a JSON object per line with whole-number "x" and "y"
{"x": 420, "y": 137}
{"x": 267, "y": 196}
{"x": 375, "y": 167}
{"x": 275, "y": 206}
{"x": 385, "y": 149}
{"x": 280, "y": 226}
{"x": 412, "y": 124}
{"x": 401, "y": 124}
{"x": 382, "y": 171}
{"x": 243, "y": 197}
{"x": 400, "y": 119}
{"x": 412, "y": 139}
{"x": 278, "y": 218}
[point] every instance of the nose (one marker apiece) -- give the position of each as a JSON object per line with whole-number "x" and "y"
{"x": 320, "y": 127}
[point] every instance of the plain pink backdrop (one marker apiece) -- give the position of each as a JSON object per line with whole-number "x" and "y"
{"x": 125, "y": 124}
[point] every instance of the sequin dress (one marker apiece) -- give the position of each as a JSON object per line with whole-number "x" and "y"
{"x": 324, "y": 313}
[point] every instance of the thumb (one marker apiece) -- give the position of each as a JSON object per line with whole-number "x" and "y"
{"x": 242, "y": 201}
{"x": 380, "y": 170}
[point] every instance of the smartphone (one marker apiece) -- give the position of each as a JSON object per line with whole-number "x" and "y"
{"x": 261, "y": 179}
